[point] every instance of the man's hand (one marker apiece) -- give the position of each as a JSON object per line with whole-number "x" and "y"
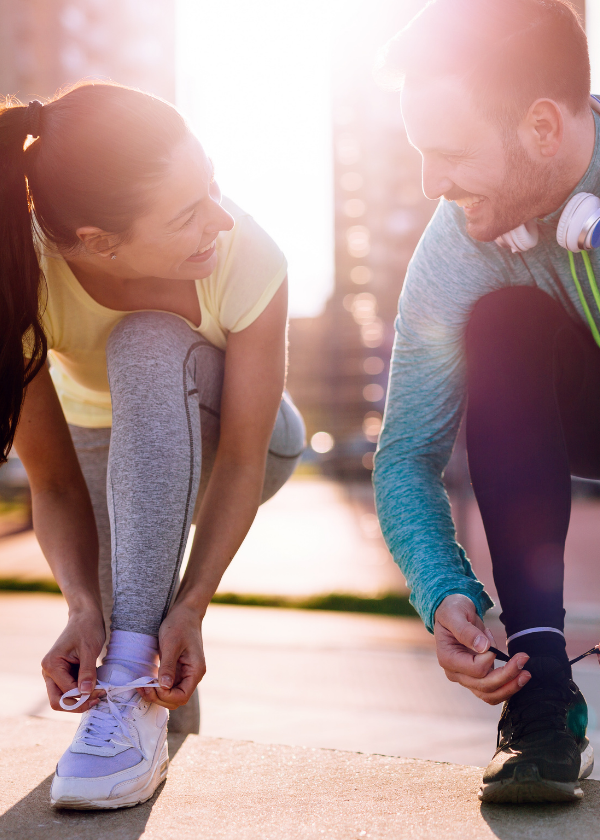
{"x": 462, "y": 642}
{"x": 182, "y": 664}
{"x": 71, "y": 662}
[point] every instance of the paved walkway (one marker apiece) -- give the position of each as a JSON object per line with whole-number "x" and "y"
{"x": 352, "y": 682}
{"x": 237, "y": 790}
{"x": 313, "y": 537}
{"x": 304, "y": 681}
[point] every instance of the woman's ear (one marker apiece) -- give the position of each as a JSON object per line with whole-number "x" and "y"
{"x": 97, "y": 242}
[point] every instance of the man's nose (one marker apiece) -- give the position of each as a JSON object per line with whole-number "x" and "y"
{"x": 435, "y": 181}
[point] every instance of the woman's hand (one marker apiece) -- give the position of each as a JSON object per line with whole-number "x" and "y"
{"x": 463, "y": 652}
{"x": 182, "y": 663}
{"x": 71, "y": 662}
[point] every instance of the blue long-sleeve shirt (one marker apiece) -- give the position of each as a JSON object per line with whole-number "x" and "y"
{"x": 448, "y": 274}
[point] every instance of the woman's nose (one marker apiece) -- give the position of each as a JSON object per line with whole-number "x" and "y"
{"x": 222, "y": 220}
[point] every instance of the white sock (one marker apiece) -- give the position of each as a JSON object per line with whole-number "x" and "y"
{"x": 135, "y": 651}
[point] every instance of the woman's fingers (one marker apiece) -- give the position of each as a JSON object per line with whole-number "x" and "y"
{"x": 55, "y": 693}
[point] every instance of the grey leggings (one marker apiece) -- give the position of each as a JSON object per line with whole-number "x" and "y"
{"x": 146, "y": 478}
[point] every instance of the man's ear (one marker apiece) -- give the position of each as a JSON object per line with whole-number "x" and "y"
{"x": 97, "y": 242}
{"x": 542, "y": 129}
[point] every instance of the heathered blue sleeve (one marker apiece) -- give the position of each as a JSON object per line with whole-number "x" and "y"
{"x": 449, "y": 272}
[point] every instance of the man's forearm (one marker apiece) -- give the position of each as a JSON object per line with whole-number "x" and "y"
{"x": 417, "y": 525}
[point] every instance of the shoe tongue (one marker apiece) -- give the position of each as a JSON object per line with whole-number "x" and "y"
{"x": 548, "y": 668}
{"x": 117, "y": 675}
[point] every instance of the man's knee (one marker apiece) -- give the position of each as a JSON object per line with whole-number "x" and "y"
{"x": 507, "y": 316}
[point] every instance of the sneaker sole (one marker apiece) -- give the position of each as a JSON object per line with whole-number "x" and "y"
{"x": 130, "y": 801}
{"x": 527, "y": 785}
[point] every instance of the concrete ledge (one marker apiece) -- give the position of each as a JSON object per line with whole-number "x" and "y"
{"x": 239, "y": 790}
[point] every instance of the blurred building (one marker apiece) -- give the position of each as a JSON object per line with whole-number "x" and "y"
{"x": 48, "y": 44}
{"x": 339, "y": 363}
{"x": 380, "y": 213}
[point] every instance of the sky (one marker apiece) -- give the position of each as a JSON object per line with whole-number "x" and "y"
{"x": 254, "y": 82}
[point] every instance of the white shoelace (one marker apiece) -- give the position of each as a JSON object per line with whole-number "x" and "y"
{"x": 103, "y": 717}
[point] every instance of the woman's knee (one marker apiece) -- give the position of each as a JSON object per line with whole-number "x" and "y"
{"x": 286, "y": 446}
{"x": 147, "y": 334}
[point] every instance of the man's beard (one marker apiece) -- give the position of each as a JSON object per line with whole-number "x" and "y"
{"x": 526, "y": 192}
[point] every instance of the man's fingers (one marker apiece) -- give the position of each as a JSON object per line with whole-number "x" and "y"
{"x": 505, "y": 692}
{"x": 497, "y": 678}
{"x": 469, "y": 635}
{"x": 454, "y": 657}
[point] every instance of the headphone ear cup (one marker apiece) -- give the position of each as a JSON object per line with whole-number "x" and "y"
{"x": 573, "y": 220}
{"x": 521, "y": 238}
{"x": 526, "y": 236}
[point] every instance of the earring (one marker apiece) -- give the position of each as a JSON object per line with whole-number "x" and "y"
{"x": 113, "y": 256}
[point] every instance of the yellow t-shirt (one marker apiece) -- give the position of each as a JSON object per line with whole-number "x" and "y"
{"x": 250, "y": 269}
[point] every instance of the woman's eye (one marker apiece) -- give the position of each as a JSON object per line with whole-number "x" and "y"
{"x": 190, "y": 220}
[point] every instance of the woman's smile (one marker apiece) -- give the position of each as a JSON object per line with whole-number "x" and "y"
{"x": 203, "y": 254}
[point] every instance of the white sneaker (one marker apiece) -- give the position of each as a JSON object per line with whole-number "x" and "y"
{"x": 122, "y": 722}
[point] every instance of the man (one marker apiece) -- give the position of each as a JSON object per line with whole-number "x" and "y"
{"x": 495, "y": 96}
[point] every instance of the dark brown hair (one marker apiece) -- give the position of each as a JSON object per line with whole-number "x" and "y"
{"x": 100, "y": 150}
{"x": 509, "y": 53}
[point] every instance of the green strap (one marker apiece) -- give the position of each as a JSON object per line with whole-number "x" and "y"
{"x": 591, "y": 278}
{"x": 595, "y": 292}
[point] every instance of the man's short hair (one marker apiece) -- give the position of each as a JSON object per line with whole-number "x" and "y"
{"x": 508, "y": 52}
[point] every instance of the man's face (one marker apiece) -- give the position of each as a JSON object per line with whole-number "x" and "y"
{"x": 467, "y": 159}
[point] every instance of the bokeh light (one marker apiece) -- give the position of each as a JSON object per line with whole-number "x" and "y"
{"x": 322, "y": 442}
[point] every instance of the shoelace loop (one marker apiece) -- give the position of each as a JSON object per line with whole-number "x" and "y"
{"x": 99, "y": 719}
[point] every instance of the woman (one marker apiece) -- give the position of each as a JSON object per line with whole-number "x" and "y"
{"x": 164, "y": 310}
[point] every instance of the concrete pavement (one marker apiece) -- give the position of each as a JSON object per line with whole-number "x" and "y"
{"x": 236, "y": 790}
{"x": 294, "y": 683}
{"x": 333, "y": 680}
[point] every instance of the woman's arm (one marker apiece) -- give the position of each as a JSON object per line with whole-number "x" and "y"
{"x": 253, "y": 385}
{"x": 64, "y": 524}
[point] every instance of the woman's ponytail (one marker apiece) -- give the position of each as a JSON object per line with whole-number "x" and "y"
{"x": 22, "y": 340}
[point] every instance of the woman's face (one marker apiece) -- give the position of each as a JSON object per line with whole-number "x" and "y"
{"x": 176, "y": 239}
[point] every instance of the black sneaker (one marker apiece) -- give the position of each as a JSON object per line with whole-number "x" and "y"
{"x": 542, "y": 749}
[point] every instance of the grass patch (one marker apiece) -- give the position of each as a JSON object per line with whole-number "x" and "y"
{"x": 19, "y": 585}
{"x": 390, "y": 603}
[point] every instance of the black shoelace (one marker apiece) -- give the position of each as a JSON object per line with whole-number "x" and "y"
{"x": 505, "y": 658}
{"x": 531, "y": 713}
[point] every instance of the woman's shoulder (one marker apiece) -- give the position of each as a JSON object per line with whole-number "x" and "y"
{"x": 251, "y": 267}
{"x": 247, "y": 238}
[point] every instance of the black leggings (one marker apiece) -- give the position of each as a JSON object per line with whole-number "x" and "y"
{"x": 533, "y": 419}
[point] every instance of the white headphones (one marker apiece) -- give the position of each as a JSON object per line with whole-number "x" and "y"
{"x": 578, "y": 227}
